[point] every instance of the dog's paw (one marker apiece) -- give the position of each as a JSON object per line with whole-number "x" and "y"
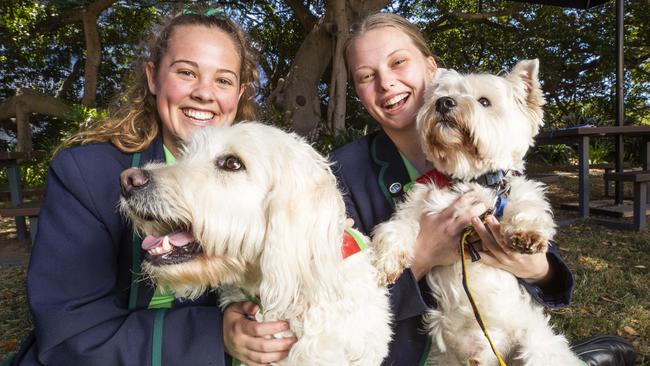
{"x": 527, "y": 242}
{"x": 390, "y": 268}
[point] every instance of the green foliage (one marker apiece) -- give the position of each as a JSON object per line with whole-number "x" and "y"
{"x": 33, "y": 172}
{"x": 81, "y": 117}
{"x": 601, "y": 151}
{"x": 329, "y": 140}
{"x": 575, "y": 48}
{"x": 559, "y": 154}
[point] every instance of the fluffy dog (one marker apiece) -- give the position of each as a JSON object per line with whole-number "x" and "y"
{"x": 476, "y": 129}
{"x": 254, "y": 210}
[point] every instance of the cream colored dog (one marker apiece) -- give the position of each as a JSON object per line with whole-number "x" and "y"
{"x": 476, "y": 129}
{"x": 250, "y": 208}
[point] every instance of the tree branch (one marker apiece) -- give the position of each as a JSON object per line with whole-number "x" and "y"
{"x": 302, "y": 13}
{"x": 513, "y": 9}
{"x": 72, "y": 16}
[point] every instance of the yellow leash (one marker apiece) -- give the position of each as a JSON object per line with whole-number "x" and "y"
{"x": 463, "y": 242}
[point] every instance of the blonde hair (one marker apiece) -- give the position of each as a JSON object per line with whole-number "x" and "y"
{"x": 133, "y": 122}
{"x": 380, "y": 20}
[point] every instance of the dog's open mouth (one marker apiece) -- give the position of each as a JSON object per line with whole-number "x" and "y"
{"x": 177, "y": 247}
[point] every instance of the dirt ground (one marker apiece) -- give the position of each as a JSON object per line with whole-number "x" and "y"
{"x": 12, "y": 251}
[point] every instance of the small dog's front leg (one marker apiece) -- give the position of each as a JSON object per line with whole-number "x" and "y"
{"x": 527, "y": 223}
{"x": 393, "y": 244}
{"x": 393, "y": 241}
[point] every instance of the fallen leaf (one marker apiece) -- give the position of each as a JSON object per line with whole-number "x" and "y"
{"x": 629, "y": 330}
{"x": 610, "y": 299}
{"x": 9, "y": 345}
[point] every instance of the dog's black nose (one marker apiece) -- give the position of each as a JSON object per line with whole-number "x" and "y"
{"x": 445, "y": 104}
{"x": 133, "y": 179}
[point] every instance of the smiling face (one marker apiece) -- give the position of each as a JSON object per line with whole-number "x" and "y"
{"x": 197, "y": 82}
{"x": 389, "y": 74}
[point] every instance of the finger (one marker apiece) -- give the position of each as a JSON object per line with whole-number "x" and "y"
{"x": 249, "y": 308}
{"x": 477, "y": 209}
{"x": 349, "y": 222}
{"x": 495, "y": 228}
{"x": 488, "y": 240}
{"x": 271, "y": 345}
{"x": 261, "y": 329}
{"x": 464, "y": 219}
{"x": 465, "y": 200}
{"x": 263, "y": 359}
{"x": 483, "y": 233}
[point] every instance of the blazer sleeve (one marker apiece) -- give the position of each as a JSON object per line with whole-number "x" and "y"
{"x": 557, "y": 293}
{"x": 74, "y": 288}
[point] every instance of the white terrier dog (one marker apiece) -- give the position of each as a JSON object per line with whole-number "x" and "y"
{"x": 476, "y": 129}
{"x": 256, "y": 211}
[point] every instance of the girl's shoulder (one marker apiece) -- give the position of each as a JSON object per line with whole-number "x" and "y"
{"x": 355, "y": 150}
{"x": 94, "y": 155}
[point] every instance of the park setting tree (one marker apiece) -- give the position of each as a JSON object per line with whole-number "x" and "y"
{"x": 63, "y": 63}
{"x": 78, "y": 53}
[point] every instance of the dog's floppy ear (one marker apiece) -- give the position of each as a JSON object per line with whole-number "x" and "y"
{"x": 525, "y": 80}
{"x": 305, "y": 216}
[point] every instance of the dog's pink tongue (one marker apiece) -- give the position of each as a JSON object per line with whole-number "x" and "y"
{"x": 177, "y": 239}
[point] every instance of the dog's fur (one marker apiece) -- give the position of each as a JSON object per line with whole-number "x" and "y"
{"x": 464, "y": 143}
{"x": 273, "y": 227}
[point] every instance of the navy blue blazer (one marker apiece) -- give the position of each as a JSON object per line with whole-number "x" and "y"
{"x": 79, "y": 276}
{"x": 372, "y": 175}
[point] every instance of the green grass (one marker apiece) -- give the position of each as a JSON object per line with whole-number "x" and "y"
{"x": 611, "y": 269}
{"x": 612, "y": 293}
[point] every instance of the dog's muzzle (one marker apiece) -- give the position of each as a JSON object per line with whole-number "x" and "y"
{"x": 133, "y": 179}
{"x": 445, "y": 104}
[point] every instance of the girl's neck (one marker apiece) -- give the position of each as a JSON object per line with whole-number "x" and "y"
{"x": 408, "y": 143}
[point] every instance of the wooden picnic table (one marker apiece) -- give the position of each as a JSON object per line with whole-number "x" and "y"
{"x": 10, "y": 160}
{"x": 581, "y": 135}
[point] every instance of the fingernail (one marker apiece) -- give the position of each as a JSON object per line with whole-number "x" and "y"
{"x": 475, "y": 220}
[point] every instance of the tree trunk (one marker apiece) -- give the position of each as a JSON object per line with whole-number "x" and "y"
{"x": 86, "y": 15}
{"x": 297, "y": 95}
{"x": 338, "y": 85}
{"x": 23, "y": 128}
{"x": 93, "y": 58}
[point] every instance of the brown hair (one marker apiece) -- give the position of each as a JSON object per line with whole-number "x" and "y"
{"x": 134, "y": 122}
{"x": 379, "y": 20}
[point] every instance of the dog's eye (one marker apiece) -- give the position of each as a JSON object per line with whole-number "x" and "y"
{"x": 230, "y": 162}
{"x": 485, "y": 102}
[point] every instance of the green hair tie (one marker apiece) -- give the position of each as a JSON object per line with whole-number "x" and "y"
{"x": 208, "y": 13}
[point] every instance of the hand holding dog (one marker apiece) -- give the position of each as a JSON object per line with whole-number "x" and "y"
{"x": 250, "y": 341}
{"x": 532, "y": 268}
{"x": 437, "y": 241}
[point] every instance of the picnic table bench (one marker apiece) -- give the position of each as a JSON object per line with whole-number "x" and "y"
{"x": 640, "y": 178}
{"x": 19, "y": 209}
{"x": 31, "y": 210}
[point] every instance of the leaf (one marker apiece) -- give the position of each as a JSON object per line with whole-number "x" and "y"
{"x": 631, "y": 331}
{"x": 640, "y": 266}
